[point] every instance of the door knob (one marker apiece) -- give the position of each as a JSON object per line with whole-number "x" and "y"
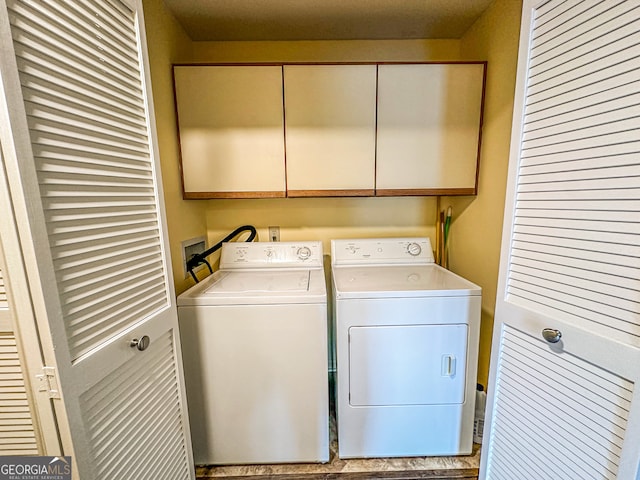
{"x": 141, "y": 344}
{"x": 551, "y": 335}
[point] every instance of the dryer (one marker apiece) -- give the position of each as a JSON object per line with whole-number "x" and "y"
{"x": 407, "y": 347}
{"x": 254, "y": 338}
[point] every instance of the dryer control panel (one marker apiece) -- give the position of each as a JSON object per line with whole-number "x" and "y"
{"x": 271, "y": 255}
{"x": 382, "y": 251}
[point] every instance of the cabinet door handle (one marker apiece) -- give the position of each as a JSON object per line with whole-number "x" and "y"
{"x": 551, "y": 335}
{"x": 140, "y": 343}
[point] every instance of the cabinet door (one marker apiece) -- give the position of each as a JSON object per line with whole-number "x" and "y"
{"x": 428, "y": 128}
{"x": 563, "y": 411}
{"x": 231, "y": 130}
{"x": 330, "y": 118}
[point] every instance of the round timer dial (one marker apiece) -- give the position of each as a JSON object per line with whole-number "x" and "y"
{"x": 304, "y": 253}
{"x": 414, "y": 249}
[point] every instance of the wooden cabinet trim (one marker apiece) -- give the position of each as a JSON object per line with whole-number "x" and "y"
{"x": 330, "y": 193}
{"x": 423, "y": 192}
{"x": 278, "y": 64}
{"x": 213, "y": 195}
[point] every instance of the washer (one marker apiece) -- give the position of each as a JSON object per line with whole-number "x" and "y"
{"x": 407, "y": 346}
{"x": 254, "y": 338}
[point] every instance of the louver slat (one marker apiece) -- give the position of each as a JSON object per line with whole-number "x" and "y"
{"x": 589, "y": 406}
{"x": 597, "y": 35}
{"x": 581, "y": 112}
{"x": 84, "y": 21}
{"x": 584, "y": 32}
{"x": 576, "y": 242}
{"x": 587, "y": 299}
{"x": 3, "y": 294}
{"x": 141, "y": 397}
{"x": 617, "y": 122}
{"x": 17, "y": 434}
{"x": 570, "y": 14}
{"x": 65, "y": 130}
{"x": 89, "y": 43}
{"x": 79, "y": 67}
{"x": 69, "y": 73}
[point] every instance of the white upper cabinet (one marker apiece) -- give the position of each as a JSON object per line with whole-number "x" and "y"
{"x": 429, "y": 118}
{"x": 231, "y": 130}
{"x": 330, "y": 127}
{"x": 251, "y": 131}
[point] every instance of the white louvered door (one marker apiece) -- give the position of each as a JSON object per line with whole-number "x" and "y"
{"x": 18, "y": 434}
{"x": 570, "y": 252}
{"x": 5, "y": 322}
{"x": 80, "y": 155}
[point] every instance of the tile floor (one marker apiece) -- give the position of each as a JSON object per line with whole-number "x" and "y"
{"x": 441, "y": 468}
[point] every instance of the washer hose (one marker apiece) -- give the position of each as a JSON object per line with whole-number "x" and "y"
{"x": 200, "y": 258}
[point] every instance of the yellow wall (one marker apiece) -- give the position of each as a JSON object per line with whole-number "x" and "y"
{"x": 326, "y": 51}
{"x": 168, "y": 44}
{"x": 298, "y": 219}
{"x": 477, "y": 223}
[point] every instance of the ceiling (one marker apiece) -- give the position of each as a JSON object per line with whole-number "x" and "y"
{"x": 228, "y": 20}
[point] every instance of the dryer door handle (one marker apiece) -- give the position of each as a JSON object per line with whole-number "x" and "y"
{"x": 448, "y": 365}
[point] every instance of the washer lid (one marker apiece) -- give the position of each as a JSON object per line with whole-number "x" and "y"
{"x": 258, "y": 287}
{"x": 400, "y": 281}
{"x": 259, "y": 282}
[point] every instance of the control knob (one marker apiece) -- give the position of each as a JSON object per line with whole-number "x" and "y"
{"x": 414, "y": 249}
{"x": 304, "y": 253}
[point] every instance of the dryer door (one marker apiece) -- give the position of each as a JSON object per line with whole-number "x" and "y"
{"x": 407, "y": 364}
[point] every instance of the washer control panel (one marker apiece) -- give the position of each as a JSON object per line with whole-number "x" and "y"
{"x": 381, "y": 251}
{"x": 270, "y": 254}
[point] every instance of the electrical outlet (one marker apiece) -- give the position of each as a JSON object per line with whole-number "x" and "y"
{"x": 192, "y": 247}
{"x": 274, "y": 234}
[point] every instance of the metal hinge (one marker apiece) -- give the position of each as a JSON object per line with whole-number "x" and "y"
{"x": 48, "y": 382}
